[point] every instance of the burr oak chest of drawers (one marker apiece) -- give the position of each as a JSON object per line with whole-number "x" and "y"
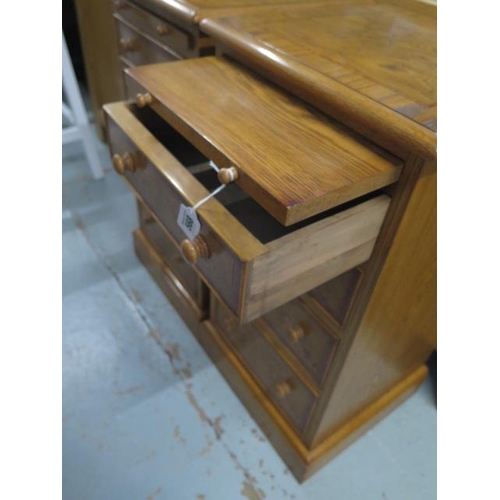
{"x": 311, "y": 281}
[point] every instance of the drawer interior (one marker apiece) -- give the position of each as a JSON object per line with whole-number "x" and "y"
{"x": 248, "y": 212}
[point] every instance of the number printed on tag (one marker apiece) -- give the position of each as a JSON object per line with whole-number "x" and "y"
{"x": 188, "y": 221}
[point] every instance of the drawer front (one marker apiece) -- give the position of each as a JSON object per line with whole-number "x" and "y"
{"x": 187, "y": 277}
{"x": 138, "y": 50}
{"x": 244, "y": 255}
{"x": 222, "y": 270}
{"x": 164, "y": 32}
{"x": 148, "y": 254}
{"x": 337, "y": 295}
{"x": 282, "y": 386}
{"x": 304, "y": 336}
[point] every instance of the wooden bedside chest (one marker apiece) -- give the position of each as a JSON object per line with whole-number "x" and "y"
{"x": 311, "y": 282}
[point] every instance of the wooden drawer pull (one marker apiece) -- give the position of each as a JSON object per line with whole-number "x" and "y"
{"x": 227, "y": 175}
{"x": 124, "y": 162}
{"x": 143, "y": 100}
{"x": 194, "y": 250}
{"x": 296, "y": 333}
{"x": 127, "y": 44}
{"x": 283, "y": 389}
{"x": 161, "y": 30}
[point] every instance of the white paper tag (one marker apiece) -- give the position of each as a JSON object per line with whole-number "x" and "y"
{"x": 188, "y": 221}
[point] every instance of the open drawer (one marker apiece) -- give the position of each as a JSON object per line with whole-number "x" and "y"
{"x": 290, "y": 158}
{"x": 250, "y": 261}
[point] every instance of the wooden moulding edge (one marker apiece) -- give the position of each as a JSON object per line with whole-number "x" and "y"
{"x": 364, "y": 420}
{"x": 313, "y": 459}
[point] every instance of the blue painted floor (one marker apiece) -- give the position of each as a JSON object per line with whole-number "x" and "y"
{"x": 146, "y": 415}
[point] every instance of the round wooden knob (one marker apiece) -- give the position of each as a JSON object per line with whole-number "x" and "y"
{"x": 283, "y": 389}
{"x": 296, "y": 333}
{"x": 123, "y": 162}
{"x": 194, "y": 250}
{"x": 143, "y": 100}
{"x": 227, "y": 175}
{"x": 127, "y": 44}
{"x": 161, "y": 30}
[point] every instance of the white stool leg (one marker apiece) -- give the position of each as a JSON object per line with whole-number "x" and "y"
{"x": 72, "y": 91}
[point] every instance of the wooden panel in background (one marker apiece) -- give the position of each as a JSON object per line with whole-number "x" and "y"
{"x": 100, "y": 53}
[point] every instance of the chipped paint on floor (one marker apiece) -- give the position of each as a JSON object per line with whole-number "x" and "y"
{"x": 146, "y": 415}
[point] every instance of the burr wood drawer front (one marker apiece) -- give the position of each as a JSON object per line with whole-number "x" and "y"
{"x": 160, "y": 30}
{"x": 150, "y": 256}
{"x": 154, "y": 184}
{"x": 303, "y": 335}
{"x": 187, "y": 278}
{"x": 280, "y": 383}
{"x": 252, "y": 262}
{"x": 138, "y": 49}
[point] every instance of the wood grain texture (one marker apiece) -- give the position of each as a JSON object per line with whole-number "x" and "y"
{"x": 301, "y": 460}
{"x": 401, "y": 196}
{"x": 100, "y": 53}
{"x": 308, "y": 341}
{"x": 251, "y": 278}
{"x": 162, "y": 184}
{"x": 281, "y": 385}
{"x": 378, "y": 361}
{"x": 415, "y": 250}
{"x": 130, "y": 132}
{"x": 169, "y": 252}
{"x": 187, "y": 306}
{"x": 309, "y": 257}
{"x": 293, "y": 160}
{"x": 397, "y": 331}
{"x": 370, "y": 63}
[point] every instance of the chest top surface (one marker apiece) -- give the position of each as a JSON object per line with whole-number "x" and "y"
{"x": 378, "y": 54}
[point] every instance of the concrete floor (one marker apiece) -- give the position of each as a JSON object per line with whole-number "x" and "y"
{"x": 147, "y": 416}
